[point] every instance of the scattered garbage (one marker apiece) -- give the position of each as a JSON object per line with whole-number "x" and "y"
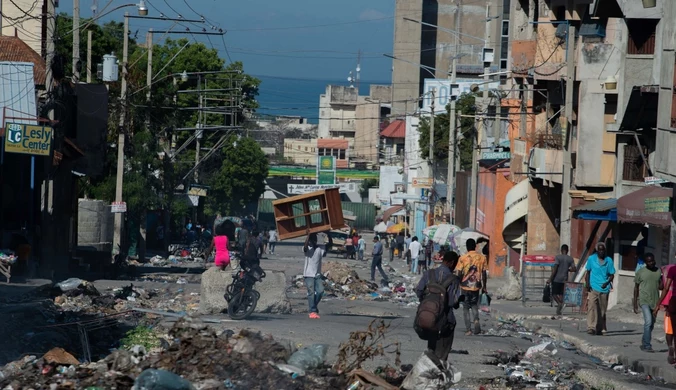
{"x": 430, "y": 374}
{"x": 152, "y": 379}
{"x": 546, "y": 347}
{"x": 310, "y": 357}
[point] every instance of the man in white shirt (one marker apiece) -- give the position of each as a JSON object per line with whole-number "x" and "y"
{"x": 361, "y": 244}
{"x": 312, "y": 273}
{"x": 272, "y": 240}
{"x": 415, "y": 249}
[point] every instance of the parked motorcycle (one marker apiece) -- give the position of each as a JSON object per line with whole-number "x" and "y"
{"x": 240, "y": 294}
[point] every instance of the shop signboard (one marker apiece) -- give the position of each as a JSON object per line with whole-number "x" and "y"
{"x": 326, "y": 170}
{"x": 28, "y": 139}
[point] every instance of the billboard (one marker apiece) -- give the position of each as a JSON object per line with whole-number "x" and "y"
{"x": 326, "y": 170}
{"x": 28, "y": 139}
{"x": 444, "y": 90}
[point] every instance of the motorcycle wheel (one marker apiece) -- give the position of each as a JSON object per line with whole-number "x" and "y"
{"x": 242, "y": 305}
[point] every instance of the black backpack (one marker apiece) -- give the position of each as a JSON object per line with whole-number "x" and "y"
{"x": 431, "y": 318}
{"x": 250, "y": 253}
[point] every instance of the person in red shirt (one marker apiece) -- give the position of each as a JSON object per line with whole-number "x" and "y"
{"x": 665, "y": 299}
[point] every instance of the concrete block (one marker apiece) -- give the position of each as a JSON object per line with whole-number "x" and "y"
{"x": 272, "y": 289}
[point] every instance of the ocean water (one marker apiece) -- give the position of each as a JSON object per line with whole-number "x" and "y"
{"x": 297, "y": 96}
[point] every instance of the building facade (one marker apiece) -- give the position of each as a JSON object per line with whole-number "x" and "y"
{"x": 465, "y": 29}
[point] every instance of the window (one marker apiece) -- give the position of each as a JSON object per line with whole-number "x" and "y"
{"x": 334, "y": 152}
{"x": 342, "y": 154}
{"x": 503, "y": 64}
{"x": 505, "y": 28}
{"x": 306, "y": 148}
{"x": 641, "y": 36}
{"x": 634, "y": 167}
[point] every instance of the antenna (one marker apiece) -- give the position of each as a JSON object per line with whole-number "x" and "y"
{"x": 350, "y": 79}
{"x": 358, "y": 68}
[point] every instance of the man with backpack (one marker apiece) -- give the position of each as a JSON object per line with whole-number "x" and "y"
{"x": 439, "y": 293}
{"x": 251, "y": 249}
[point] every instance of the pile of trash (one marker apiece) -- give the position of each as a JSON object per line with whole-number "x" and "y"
{"x": 77, "y": 295}
{"x": 196, "y": 358}
{"x": 342, "y": 280}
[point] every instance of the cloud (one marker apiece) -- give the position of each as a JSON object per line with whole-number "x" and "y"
{"x": 371, "y": 13}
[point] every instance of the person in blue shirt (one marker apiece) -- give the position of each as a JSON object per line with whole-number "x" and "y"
{"x": 599, "y": 278}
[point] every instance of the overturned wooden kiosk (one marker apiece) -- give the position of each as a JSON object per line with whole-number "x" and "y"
{"x": 318, "y": 211}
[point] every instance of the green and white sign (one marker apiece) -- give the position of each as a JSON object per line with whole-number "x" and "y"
{"x": 326, "y": 170}
{"x": 496, "y": 155}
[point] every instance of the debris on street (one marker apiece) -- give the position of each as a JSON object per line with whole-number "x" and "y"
{"x": 198, "y": 357}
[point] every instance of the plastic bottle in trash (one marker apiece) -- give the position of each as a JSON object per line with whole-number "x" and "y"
{"x": 309, "y": 358}
{"x": 354, "y": 385}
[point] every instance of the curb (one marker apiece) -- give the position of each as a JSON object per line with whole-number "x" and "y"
{"x": 597, "y": 379}
{"x": 604, "y": 353}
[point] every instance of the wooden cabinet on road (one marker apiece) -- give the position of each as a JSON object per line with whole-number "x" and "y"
{"x": 319, "y": 211}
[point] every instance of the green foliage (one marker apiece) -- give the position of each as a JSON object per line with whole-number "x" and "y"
{"x": 241, "y": 178}
{"x": 141, "y": 335}
{"x": 465, "y": 106}
{"x": 366, "y": 184}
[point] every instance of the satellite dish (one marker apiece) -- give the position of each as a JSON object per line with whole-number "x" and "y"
{"x": 349, "y": 79}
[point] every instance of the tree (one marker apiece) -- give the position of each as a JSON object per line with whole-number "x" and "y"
{"x": 366, "y": 185}
{"x": 466, "y": 133}
{"x": 241, "y": 178}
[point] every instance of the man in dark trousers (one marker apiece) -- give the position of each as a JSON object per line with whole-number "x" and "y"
{"x": 563, "y": 264}
{"x": 441, "y": 346}
{"x": 377, "y": 261}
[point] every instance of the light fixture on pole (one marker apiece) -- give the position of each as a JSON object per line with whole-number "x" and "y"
{"x": 611, "y": 83}
{"x": 184, "y": 76}
{"x": 142, "y": 9}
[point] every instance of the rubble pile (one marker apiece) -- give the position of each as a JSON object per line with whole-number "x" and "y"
{"x": 342, "y": 280}
{"x": 86, "y": 299}
{"x": 202, "y": 357}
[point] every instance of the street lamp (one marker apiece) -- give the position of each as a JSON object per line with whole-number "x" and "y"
{"x": 142, "y": 9}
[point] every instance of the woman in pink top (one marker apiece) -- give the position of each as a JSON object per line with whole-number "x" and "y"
{"x": 220, "y": 244}
{"x": 668, "y": 276}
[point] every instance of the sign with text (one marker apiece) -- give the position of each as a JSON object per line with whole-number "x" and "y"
{"x": 28, "y": 139}
{"x": 652, "y": 180}
{"x": 573, "y": 294}
{"x": 118, "y": 207}
{"x": 496, "y": 155}
{"x": 326, "y": 170}
{"x": 444, "y": 90}
{"x": 298, "y": 189}
{"x": 657, "y": 205}
{"x": 422, "y": 182}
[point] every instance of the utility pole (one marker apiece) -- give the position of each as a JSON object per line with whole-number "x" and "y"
{"x": 117, "y": 234}
{"x": 89, "y": 56}
{"x": 76, "y": 39}
{"x": 476, "y": 156}
{"x": 143, "y": 228}
{"x": 198, "y": 132}
{"x": 451, "y": 147}
{"x": 431, "y": 156}
{"x": 568, "y": 137}
{"x": 450, "y": 180}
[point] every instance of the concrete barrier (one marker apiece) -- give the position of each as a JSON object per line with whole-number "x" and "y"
{"x": 272, "y": 289}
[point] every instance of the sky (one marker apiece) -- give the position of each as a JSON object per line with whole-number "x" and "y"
{"x": 303, "y": 39}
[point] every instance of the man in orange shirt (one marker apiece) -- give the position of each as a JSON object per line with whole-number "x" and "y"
{"x": 471, "y": 269}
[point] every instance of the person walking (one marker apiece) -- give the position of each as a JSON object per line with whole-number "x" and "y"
{"x": 429, "y": 248}
{"x": 349, "y": 247}
{"x": 600, "y": 275}
{"x": 441, "y": 344}
{"x": 647, "y": 286}
{"x": 472, "y": 269}
{"x": 400, "y": 243}
{"x": 563, "y": 264}
{"x": 667, "y": 295}
{"x": 312, "y": 273}
{"x": 272, "y": 234}
{"x": 407, "y": 242}
{"x": 415, "y": 249}
{"x": 377, "y": 261}
{"x": 393, "y": 247}
{"x": 361, "y": 244}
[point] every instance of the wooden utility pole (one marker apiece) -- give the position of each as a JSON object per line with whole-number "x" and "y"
{"x": 119, "y": 182}
{"x": 76, "y": 39}
{"x": 89, "y": 56}
{"x": 568, "y": 137}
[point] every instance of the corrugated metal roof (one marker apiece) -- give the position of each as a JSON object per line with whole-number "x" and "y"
{"x": 598, "y": 206}
{"x": 17, "y": 93}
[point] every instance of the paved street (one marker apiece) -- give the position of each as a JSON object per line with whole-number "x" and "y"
{"x": 473, "y": 355}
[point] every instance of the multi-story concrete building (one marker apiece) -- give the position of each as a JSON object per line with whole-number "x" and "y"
{"x": 24, "y": 19}
{"x": 592, "y": 98}
{"x": 301, "y": 151}
{"x": 344, "y": 114}
{"x": 465, "y": 28}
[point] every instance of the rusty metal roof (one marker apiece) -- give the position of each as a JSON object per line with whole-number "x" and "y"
{"x": 598, "y": 206}
{"x": 13, "y": 49}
